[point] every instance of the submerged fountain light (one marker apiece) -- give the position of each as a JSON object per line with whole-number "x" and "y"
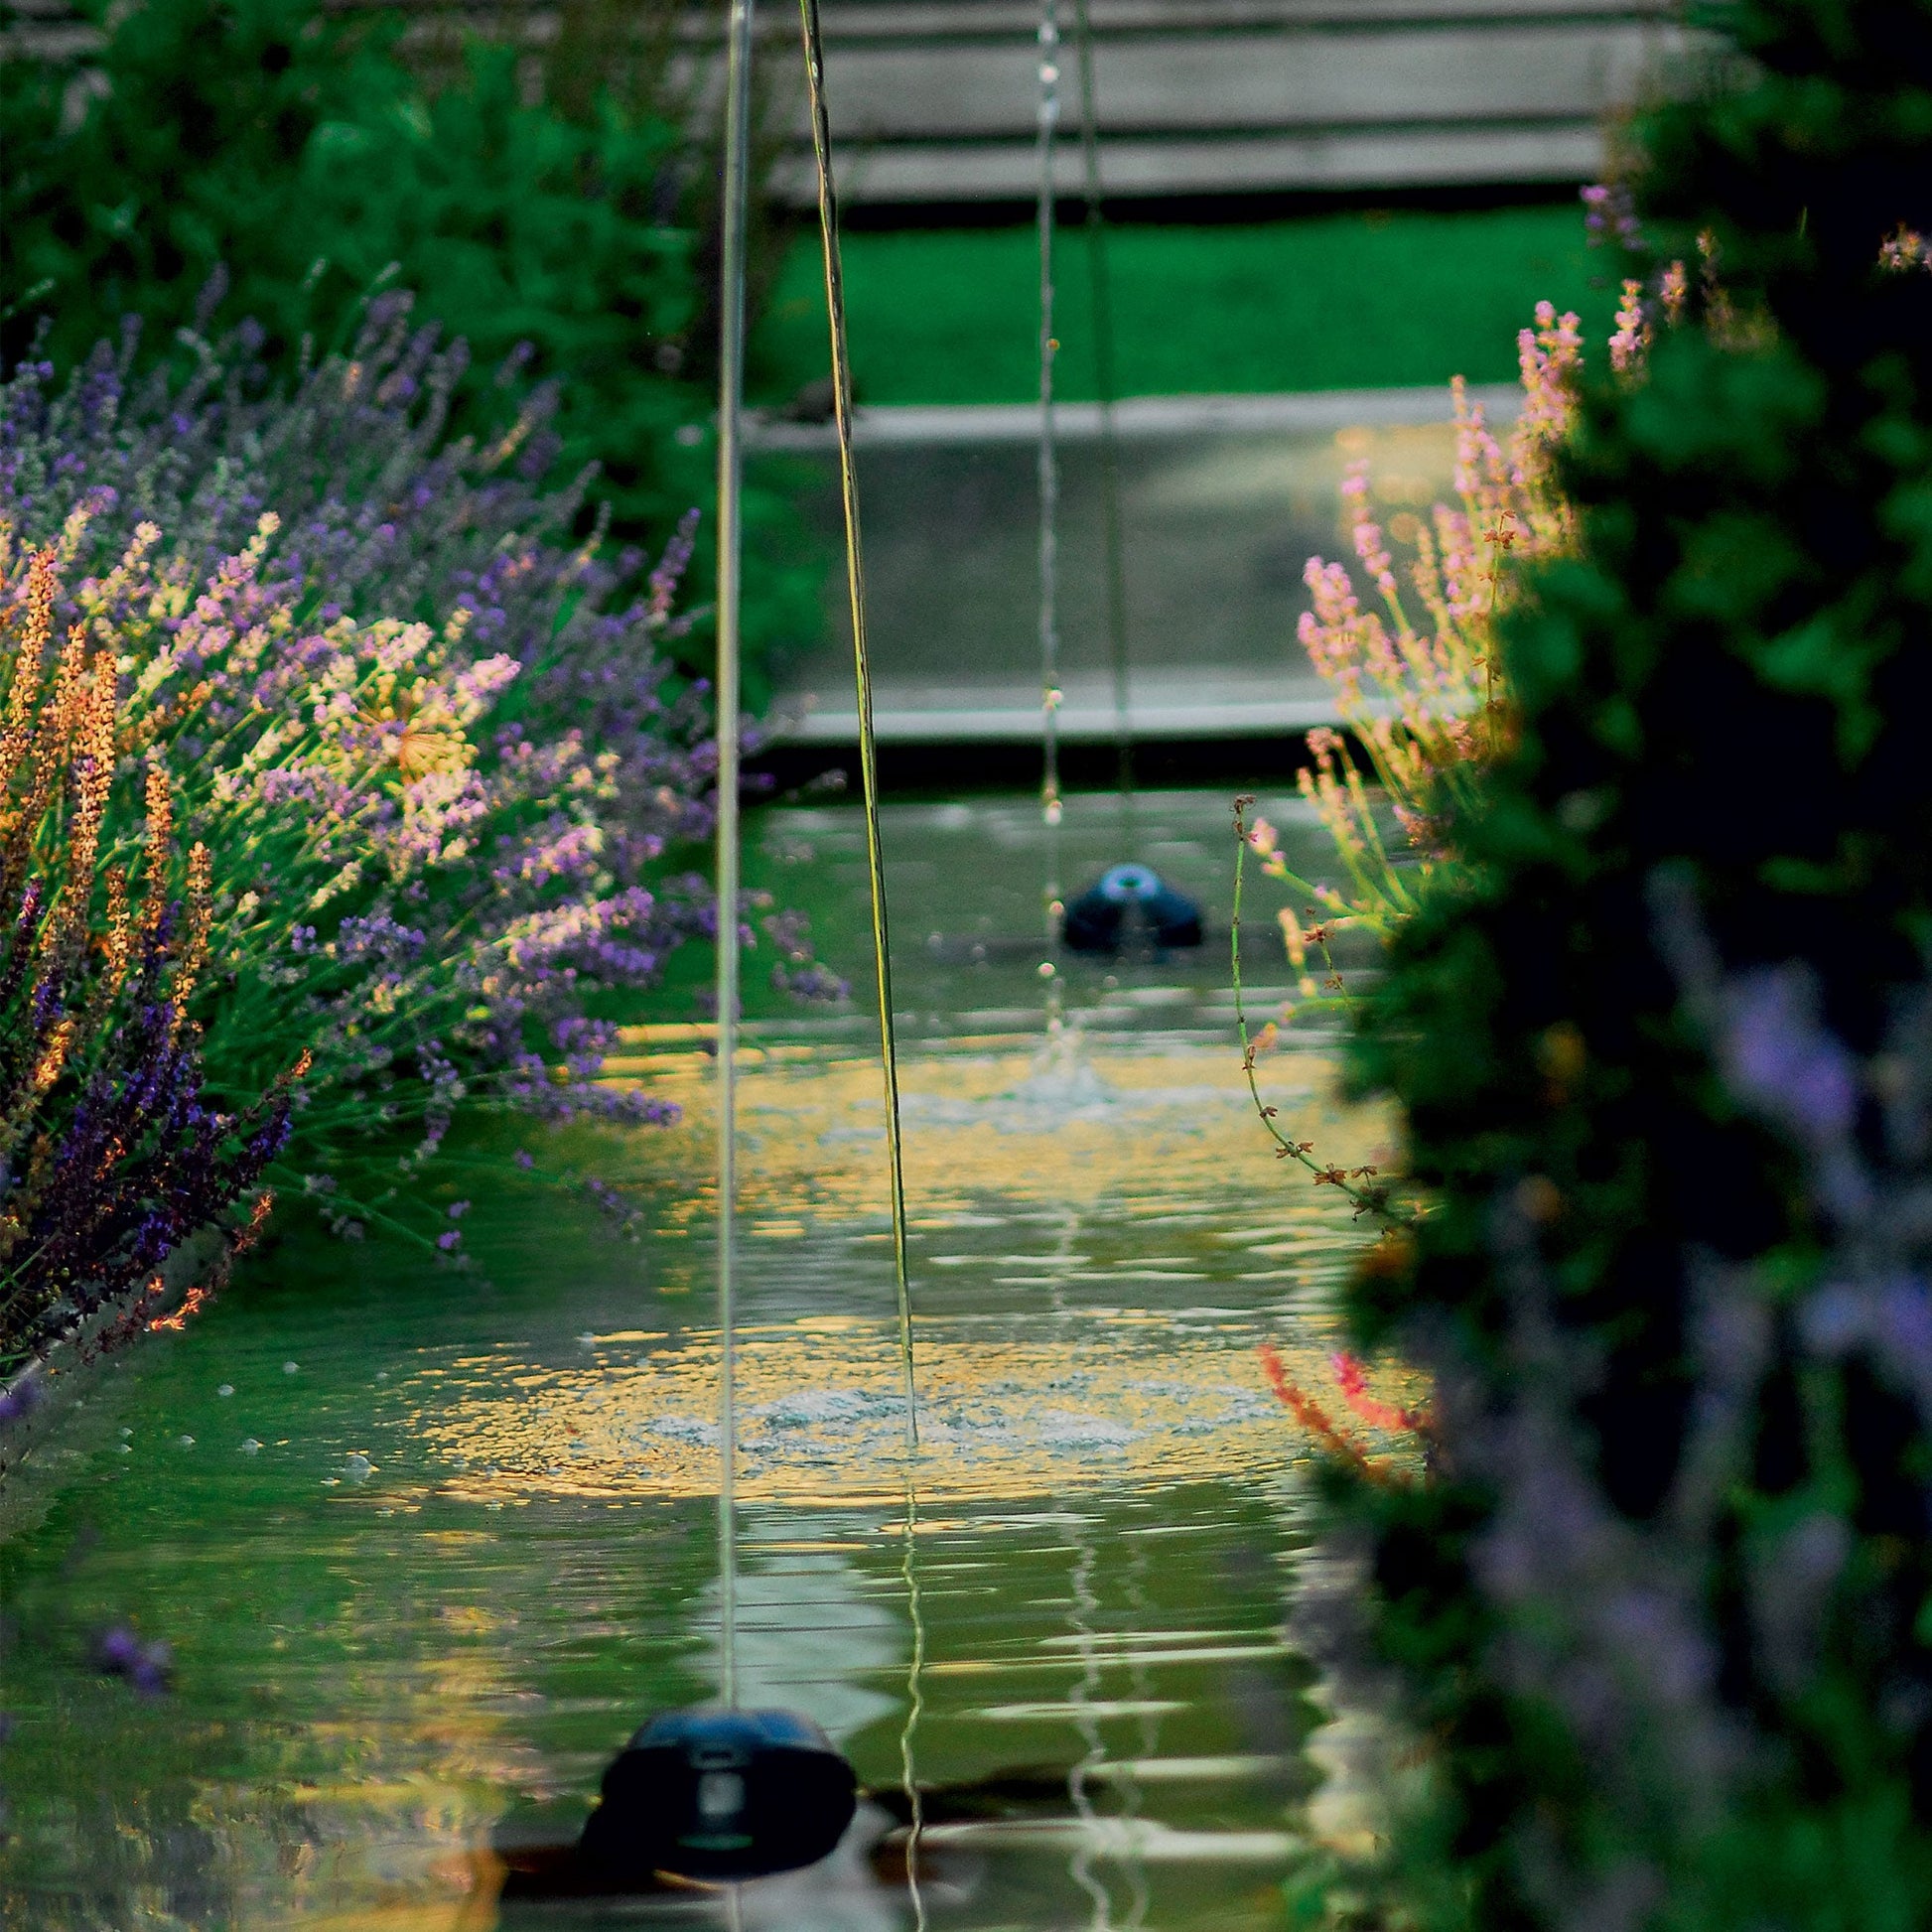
{"x": 719, "y": 1795}
{"x": 1128, "y": 907}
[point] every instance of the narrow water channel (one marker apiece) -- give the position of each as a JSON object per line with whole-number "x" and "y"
{"x": 426, "y": 1546}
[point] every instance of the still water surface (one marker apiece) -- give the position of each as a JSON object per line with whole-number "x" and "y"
{"x": 427, "y": 1545}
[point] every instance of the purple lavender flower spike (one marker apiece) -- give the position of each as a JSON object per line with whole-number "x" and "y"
{"x": 1777, "y": 1055}
{"x": 147, "y": 1667}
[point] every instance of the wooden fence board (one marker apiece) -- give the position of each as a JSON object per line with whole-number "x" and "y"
{"x": 850, "y": 19}
{"x": 1246, "y": 82}
{"x": 935, "y": 99}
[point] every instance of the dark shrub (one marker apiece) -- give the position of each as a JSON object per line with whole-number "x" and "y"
{"x": 1665, "y": 1614}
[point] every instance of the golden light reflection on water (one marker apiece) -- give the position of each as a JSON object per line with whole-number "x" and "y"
{"x": 1134, "y": 1147}
{"x": 1112, "y": 1400}
{"x": 1141, "y": 1130}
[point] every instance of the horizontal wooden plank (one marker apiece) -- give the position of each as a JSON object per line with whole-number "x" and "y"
{"x": 928, "y": 19}
{"x": 49, "y": 28}
{"x": 925, "y": 19}
{"x": 1249, "y": 82}
{"x": 911, "y": 171}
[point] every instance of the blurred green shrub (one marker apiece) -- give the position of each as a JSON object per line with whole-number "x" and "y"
{"x": 1653, "y": 1642}
{"x": 280, "y": 159}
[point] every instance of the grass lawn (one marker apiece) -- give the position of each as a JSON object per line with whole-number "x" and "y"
{"x": 1360, "y": 300}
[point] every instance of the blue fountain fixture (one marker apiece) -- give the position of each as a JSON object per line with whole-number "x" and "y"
{"x": 1129, "y": 905}
{"x": 719, "y": 1795}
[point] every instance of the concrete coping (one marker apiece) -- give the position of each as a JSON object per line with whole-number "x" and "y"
{"x": 941, "y": 716}
{"x": 1135, "y": 418}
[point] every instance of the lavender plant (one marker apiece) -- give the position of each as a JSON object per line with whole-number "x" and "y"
{"x": 1419, "y": 683}
{"x": 382, "y": 514}
{"x": 1428, "y": 703}
{"x": 1422, "y": 695}
{"x": 1420, "y": 687}
{"x": 111, "y": 1149}
{"x": 428, "y": 739}
{"x": 426, "y": 922}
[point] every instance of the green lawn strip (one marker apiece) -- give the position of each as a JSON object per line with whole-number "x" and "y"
{"x": 1363, "y": 300}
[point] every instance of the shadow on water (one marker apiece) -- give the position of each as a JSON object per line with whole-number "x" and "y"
{"x": 427, "y": 1545}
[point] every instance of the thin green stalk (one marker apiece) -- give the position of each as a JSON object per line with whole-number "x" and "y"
{"x": 1367, "y": 1201}
{"x": 828, "y": 224}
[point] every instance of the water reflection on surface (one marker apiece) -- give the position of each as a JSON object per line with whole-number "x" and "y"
{"x": 473, "y": 1548}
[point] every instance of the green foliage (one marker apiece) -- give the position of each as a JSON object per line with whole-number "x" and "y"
{"x": 1660, "y": 1612}
{"x": 292, "y": 154}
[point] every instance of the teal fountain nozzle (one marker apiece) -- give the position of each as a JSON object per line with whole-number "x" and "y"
{"x": 1129, "y": 906}
{"x": 721, "y": 1795}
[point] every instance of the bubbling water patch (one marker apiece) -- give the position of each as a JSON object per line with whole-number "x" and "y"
{"x": 1111, "y": 1397}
